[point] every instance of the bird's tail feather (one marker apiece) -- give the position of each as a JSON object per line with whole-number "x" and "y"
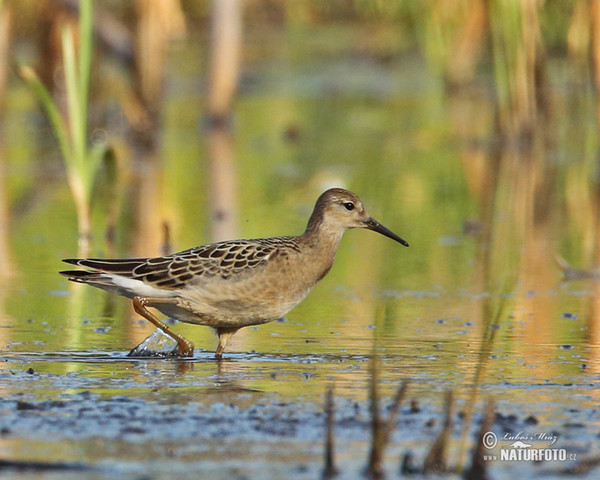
{"x": 123, "y": 266}
{"x": 85, "y": 276}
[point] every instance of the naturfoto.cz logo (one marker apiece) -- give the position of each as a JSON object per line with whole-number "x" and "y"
{"x": 522, "y": 449}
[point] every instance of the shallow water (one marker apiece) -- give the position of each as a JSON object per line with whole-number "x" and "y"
{"x": 481, "y": 262}
{"x": 260, "y": 414}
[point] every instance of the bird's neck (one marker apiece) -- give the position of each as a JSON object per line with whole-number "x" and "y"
{"x": 322, "y": 235}
{"x": 320, "y": 241}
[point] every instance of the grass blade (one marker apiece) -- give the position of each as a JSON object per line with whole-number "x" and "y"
{"x": 73, "y": 96}
{"x": 44, "y": 98}
{"x": 330, "y": 470}
{"x": 85, "y": 59}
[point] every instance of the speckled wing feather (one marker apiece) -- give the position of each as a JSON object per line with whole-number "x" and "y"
{"x": 171, "y": 272}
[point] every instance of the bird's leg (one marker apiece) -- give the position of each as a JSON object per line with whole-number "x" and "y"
{"x": 186, "y": 348}
{"x": 224, "y": 335}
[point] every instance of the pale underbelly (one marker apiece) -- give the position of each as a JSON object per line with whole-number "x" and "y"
{"x": 230, "y": 313}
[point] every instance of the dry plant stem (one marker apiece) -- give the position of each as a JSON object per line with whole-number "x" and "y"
{"x": 5, "y": 40}
{"x": 595, "y": 41}
{"x": 330, "y": 470}
{"x": 436, "y": 459}
{"x": 595, "y": 51}
{"x": 157, "y": 22}
{"x": 226, "y": 37}
{"x": 165, "y": 246}
{"x": 82, "y": 208}
{"x": 517, "y": 65}
{"x": 486, "y": 347}
{"x": 391, "y": 422}
{"x": 571, "y": 273}
{"x": 467, "y": 52}
{"x": 375, "y": 467}
{"x": 225, "y": 46}
{"x": 478, "y": 466}
{"x": 381, "y": 431}
{"x": 582, "y": 467}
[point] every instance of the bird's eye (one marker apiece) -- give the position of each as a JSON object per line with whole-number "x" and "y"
{"x": 349, "y": 206}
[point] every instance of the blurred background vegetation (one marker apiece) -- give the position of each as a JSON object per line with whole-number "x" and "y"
{"x": 469, "y": 127}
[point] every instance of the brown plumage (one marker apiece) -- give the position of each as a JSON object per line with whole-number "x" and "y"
{"x": 233, "y": 284}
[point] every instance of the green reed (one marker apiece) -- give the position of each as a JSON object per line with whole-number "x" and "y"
{"x": 82, "y": 161}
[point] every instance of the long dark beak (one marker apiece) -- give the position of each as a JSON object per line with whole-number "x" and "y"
{"x": 374, "y": 225}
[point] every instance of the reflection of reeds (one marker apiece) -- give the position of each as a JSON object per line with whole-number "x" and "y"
{"x": 226, "y": 25}
{"x": 82, "y": 162}
{"x": 595, "y": 41}
{"x": 595, "y": 52}
{"x": 7, "y": 264}
{"x": 594, "y": 315}
{"x": 518, "y": 65}
{"x": 5, "y": 28}
{"x": 579, "y": 33}
{"x": 491, "y": 324}
{"x": 147, "y": 195}
{"x": 223, "y": 185}
{"x": 454, "y": 37}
